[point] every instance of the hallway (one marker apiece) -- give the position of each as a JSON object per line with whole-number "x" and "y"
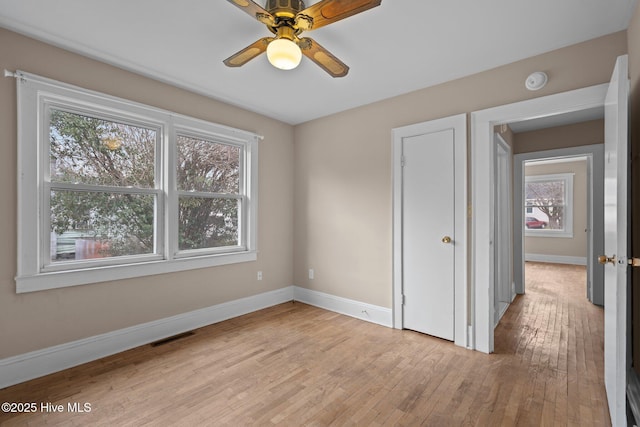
{"x": 559, "y": 335}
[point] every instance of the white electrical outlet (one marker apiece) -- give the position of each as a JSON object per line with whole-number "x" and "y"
{"x": 259, "y": 275}
{"x": 311, "y": 273}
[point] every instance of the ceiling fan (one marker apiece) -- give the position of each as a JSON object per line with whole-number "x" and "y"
{"x": 286, "y": 19}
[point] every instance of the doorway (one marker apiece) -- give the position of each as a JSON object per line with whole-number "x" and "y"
{"x": 574, "y": 235}
{"x": 550, "y": 228}
{"x": 557, "y": 213}
{"x": 483, "y": 123}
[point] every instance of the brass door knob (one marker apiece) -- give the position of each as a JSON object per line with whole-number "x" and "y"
{"x": 603, "y": 259}
{"x": 446, "y": 239}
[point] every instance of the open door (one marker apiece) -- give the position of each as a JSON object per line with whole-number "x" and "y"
{"x": 504, "y": 291}
{"x": 615, "y": 241}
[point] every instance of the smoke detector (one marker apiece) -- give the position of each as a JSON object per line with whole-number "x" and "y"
{"x": 536, "y": 81}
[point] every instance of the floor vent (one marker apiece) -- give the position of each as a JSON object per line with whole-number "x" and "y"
{"x": 171, "y": 339}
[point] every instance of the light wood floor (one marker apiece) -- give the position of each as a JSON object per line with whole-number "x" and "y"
{"x": 294, "y": 364}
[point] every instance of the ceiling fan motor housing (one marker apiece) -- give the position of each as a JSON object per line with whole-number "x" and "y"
{"x": 284, "y": 8}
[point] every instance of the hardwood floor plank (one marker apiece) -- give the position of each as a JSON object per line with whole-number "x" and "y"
{"x": 295, "y": 364}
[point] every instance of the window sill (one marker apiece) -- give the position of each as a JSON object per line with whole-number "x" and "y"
{"x": 63, "y": 279}
{"x": 548, "y": 233}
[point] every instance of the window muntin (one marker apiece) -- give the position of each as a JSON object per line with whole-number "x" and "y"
{"x": 549, "y": 205}
{"x": 101, "y": 174}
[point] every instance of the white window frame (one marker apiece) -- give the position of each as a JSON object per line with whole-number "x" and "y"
{"x": 567, "y": 232}
{"x": 36, "y": 96}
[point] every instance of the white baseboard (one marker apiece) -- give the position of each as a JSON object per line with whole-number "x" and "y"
{"x": 556, "y": 259}
{"x": 24, "y": 367}
{"x": 360, "y": 310}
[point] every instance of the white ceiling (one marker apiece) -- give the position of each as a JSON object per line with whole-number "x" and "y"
{"x": 398, "y": 47}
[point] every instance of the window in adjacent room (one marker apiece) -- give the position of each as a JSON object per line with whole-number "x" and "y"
{"x": 549, "y": 205}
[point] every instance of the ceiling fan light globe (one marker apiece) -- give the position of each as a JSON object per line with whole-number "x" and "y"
{"x": 284, "y": 54}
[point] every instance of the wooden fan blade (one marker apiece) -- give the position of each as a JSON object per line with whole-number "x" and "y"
{"x": 248, "y": 53}
{"x": 255, "y": 10}
{"x": 321, "y": 56}
{"x": 329, "y": 11}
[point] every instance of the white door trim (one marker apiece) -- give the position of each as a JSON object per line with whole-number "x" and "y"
{"x": 458, "y": 124}
{"x": 482, "y": 123}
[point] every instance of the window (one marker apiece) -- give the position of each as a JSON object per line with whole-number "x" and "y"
{"x": 549, "y": 205}
{"x": 110, "y": 189}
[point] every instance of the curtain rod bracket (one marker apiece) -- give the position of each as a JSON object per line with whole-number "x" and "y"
{"x": 8, "y": 73}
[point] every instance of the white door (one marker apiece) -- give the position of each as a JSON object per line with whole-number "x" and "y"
{"x": 615, "y": 241}
{"x": 428, "y": 233}
{"x": 503, "y": 291}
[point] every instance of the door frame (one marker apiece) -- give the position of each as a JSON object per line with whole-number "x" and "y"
{"x": 458, "y": 123}
{"x": 482, "y": 203}
{"x": 595, "y": 197}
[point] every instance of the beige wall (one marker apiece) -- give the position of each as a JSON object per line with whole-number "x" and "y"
{"x": 564, "y": 246}
{"x": 343, "y": 196}
{"x": 585, "y": 133}
{"x": 36, "y": 320}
